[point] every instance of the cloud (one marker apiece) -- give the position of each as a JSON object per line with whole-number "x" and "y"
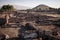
{"x": 19, "y": 7}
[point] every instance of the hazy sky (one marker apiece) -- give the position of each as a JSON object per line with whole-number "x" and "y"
{"x": 32, "y": 3}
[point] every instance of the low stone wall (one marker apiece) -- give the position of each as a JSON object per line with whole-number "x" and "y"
{"x": 11, "y": 32}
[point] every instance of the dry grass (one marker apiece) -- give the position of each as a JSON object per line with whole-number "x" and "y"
{"x": 12, "y": 32}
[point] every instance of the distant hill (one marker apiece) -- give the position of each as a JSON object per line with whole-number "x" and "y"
{"x": 19, "y": 7}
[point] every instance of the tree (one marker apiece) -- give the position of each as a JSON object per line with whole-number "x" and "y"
{"x": 57, "y": 23}
{"x": 7, "y": 8}
{"x": 28, "y": 26}
{"x": 2, "y": 21}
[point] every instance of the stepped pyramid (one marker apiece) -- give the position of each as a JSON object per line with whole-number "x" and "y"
{"x": 41, "y": 7}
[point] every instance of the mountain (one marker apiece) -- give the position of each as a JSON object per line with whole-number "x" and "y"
{"x": 41, "y": 7}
